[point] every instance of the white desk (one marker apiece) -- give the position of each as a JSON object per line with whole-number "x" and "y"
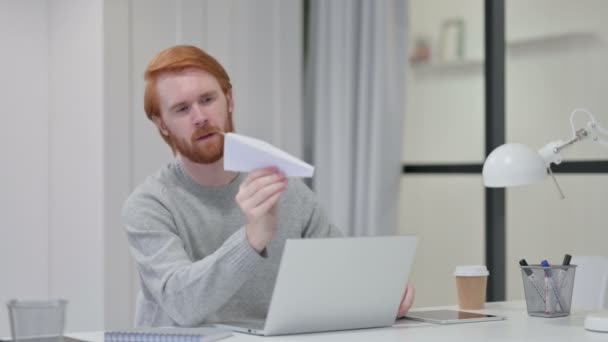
{"x": 518, "y": 327}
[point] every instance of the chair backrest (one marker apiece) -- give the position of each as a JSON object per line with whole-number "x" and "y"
{"x": 590, "y": 282}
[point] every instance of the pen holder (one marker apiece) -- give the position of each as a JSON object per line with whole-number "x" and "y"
{"x": 548, "y": 290}
{"x": 31, "y": 319}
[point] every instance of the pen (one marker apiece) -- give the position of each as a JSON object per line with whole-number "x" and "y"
{"x": 567, "y": 259}
{"x": 562, "y": 276}
{"x": 531, "y": 278}
{"x": 548, "y": 305}
{"x": 564, "y": 270}
{"x": 550, "y": 282}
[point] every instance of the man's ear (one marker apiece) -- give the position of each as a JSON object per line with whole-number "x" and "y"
{"x": 158, "y": 121}
{"x": 229, "y": 98}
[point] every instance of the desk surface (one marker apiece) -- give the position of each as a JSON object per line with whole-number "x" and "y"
{"x": 517, "y": 327}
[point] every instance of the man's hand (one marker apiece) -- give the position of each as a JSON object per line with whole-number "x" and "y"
{"x": 407, "y": 301}
{"x": 258, "y": 197}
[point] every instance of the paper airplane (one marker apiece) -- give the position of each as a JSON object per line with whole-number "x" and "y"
{"x": 245, "y": 154}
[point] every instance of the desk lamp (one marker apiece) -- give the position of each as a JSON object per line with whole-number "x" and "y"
{"x": 516, "y": 164}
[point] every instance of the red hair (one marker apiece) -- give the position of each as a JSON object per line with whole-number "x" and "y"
{"x": 175, "y": 59}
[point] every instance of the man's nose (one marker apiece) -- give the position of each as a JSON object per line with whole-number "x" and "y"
{"x": 199, "y": 117}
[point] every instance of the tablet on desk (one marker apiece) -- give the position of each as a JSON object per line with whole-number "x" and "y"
{"x": 450, "y": 316}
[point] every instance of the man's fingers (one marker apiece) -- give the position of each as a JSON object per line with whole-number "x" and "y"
{"x": 263, "y": 195}
{"x": 254, "y": 186}
{"x": 408, "y": 300}
{"x": 255, "y": 174}
{"x": 266, "y": 205}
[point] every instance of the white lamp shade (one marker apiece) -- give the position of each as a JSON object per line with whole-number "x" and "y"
{"x": 512, "y": 165}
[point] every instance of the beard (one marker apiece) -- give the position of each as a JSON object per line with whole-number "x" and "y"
{"x": 203, "y": 152}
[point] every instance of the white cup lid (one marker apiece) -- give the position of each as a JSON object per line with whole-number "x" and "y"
{"x": 471, "y": 271}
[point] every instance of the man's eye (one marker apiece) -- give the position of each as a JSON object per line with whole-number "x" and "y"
{"x": 182, "y": 109}
{"x": 206, "y": 99}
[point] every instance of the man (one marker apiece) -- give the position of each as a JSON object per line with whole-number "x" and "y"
{"x": 207, "y": 242}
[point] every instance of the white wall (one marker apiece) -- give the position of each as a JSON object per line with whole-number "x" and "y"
{"x": 76, "y": 221}
{"x": 77, "y": 140}
{"x": 24, "y": 177}
{"x": 120, "y": 281}
{"x": 52, "y": 199}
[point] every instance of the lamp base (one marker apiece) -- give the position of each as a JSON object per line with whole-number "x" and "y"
{"x": 597, "y": 321}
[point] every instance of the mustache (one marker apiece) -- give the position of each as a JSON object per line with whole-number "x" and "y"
{"x": 205, "y": 130}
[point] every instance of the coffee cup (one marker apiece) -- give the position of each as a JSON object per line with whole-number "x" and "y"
{"x": 471, "y": 283}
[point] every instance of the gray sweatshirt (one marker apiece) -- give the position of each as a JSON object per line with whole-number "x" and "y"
{"x": 192, "y": 254}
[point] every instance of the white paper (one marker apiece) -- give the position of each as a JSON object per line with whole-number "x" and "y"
{"x": 245, "y": 154}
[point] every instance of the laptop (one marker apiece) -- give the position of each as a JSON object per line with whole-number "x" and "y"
{"x": 336, "y": 284}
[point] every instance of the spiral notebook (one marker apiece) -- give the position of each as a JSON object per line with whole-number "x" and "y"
{"x": 167, "y": 335}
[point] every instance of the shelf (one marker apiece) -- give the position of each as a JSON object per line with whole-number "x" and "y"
{"x": 547, "y": 40}
{"x": 466, "y": 63}
{"x": 553, "y": 38}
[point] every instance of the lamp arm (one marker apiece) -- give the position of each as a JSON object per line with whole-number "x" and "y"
{"x": 578, "y": 136}
{"x": 551, "y": 151}
{"x": 592, "y": 126}
{"x": 550, "y": 154}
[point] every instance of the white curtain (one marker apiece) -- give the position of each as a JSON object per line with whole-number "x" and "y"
{"x": 355, "y": 91}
